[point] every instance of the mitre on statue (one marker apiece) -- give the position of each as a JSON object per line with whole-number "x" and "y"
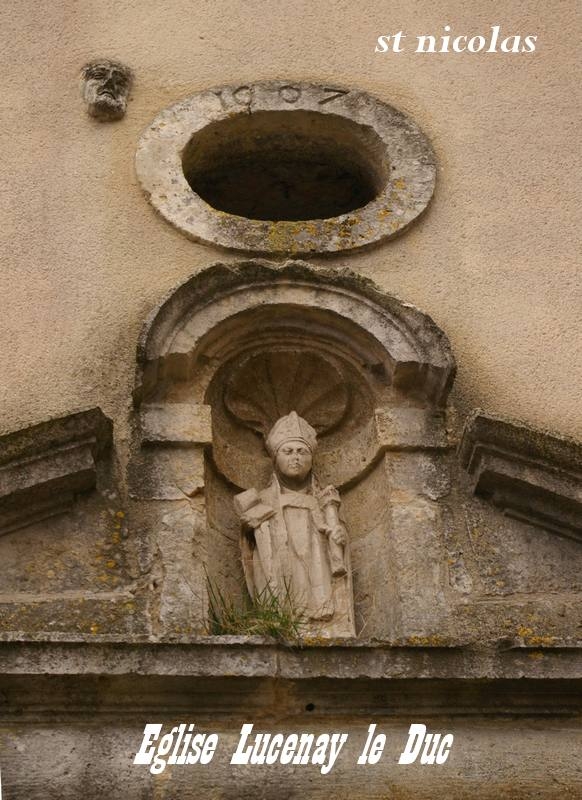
{"x": 289, "y": 427}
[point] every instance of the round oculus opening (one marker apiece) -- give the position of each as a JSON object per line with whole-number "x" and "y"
{"x": 286, "y": 169}
{"x": 286, "y": 165}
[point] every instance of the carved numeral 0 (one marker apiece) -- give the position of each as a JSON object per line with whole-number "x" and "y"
{"x": 243, "y": 95}
{"x": 290, "y": 94}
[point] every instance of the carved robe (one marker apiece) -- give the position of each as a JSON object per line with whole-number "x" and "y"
{"x": 286, "y": 546}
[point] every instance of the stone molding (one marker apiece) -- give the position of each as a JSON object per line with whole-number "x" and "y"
{"x": 255, "y": 657}
{"x": 530, "y": 475}
{"x": 43, "y": 467}
{"x": 515, "y": 717}
{"x": 409, "y": 346}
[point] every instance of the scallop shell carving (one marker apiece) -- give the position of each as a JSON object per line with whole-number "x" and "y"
{"x": 268, "y": 386}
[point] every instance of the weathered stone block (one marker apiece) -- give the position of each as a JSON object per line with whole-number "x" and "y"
{"x": 177, "y": 423}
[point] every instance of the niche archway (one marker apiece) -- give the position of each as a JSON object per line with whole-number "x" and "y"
{"x": 237, "y": 346}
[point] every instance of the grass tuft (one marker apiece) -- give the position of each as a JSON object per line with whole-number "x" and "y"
{"x": 267, "y": 614}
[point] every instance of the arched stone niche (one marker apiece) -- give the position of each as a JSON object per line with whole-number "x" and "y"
{"x": 238, "y": 346}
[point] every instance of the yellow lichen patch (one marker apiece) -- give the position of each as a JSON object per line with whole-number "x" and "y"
{"x": 313, "y": 641}
{"x": 399, "y": 183}
{"x": 120, "y": 514}
{"x": 426, "y": 641}
{"x": 282, "y": 236}
{"x": 541, "y": 641}
{"x": 345, "y": 228}
{"x": 94, "y": 628}
{"x": 111, "y": 564}
{"x": 532, "y": 639}
{"x": 523, "y": 631}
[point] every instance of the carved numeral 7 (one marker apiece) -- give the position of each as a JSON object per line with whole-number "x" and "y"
{"x": 335, "y": 94}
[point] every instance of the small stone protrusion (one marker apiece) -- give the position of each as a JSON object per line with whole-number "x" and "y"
{"x": 105, "y": 88}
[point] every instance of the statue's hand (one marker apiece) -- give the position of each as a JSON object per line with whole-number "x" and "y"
{"x": 256, "y": 515}
{"x": 338, "y": 535}
{"x": 329, "y": 495}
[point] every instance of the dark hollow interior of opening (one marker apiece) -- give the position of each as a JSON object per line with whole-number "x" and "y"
{"x": 286, "y": 165}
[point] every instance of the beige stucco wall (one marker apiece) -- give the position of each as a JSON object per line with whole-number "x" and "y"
{"x": 495, "y": 261}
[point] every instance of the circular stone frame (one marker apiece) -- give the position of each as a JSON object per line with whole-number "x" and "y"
{"x": 394, "y": 150}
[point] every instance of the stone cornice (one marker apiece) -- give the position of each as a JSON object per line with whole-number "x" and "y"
{"x": 43, "y": 467}
{"x": 530, "y": 475}
{"x": 254, "y": 657}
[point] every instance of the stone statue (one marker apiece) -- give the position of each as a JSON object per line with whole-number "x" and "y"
{"x": 294, "y": 541}
{"x": 105, "y": 88}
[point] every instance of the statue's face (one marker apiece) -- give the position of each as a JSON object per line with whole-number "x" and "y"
{"x": 105, "y": 89}
{"x": 294, "y": 459}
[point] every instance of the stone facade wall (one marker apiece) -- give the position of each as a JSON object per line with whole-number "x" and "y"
{"x": 494, "y": 262}
{"x": 128, "y": 407}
